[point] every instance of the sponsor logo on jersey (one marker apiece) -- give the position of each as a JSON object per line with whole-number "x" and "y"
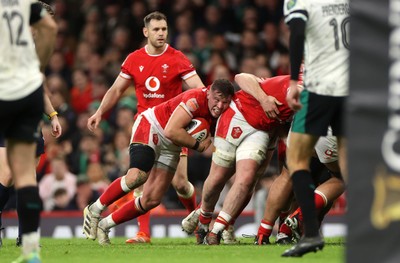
{"x": 141, "y": 68}
{"x": 153, "y": 95}
{"x": 152, "y": 83}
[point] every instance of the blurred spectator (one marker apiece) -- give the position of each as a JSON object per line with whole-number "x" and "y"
{"x": 114, "y": 17}
{"x": 263, "y": 72}
{"x": 57, "y": 66}
{"x": 183, "y": 25}
{"x": 84, "y": 194}
{"x": 213, "y": 21}
{"x": 97, "y": 177}
{"x": 121, "y": 40}
{"x": 59, "y": 178}
{"x": 271, "y": 44}
{"x": 91, "y": 35}
{"x": 250, "y": 19}
{"x": 220, "y": 43}
{"x": 116, "y": 158}
{"x": 220, "y": 71}
{"x": 283, "y": 67}
{"x": 284, "y": 34}
{"x": 60, "y": 99}
{"x": 65, "y": 42}
{"x": 126, "y": 109}
{"x": 269, "y": 10}
{"x": 89, "y": 151}
{"x": 82, "y": 56}
{"x": 248, "y": 65}
{"x": 81, "y": 92}
{"x": 249, "y": 45}
{"x": 112, "y": 61}
{"x": 61, "y": 200}
{"x": 228, "y": 14}
{"x": 99, "y": 87}
{"x": 216, "y": 58}
{"x": 185, "y": 45}
{"x": 138, "y": 10}
{"x": 95, "y": 66}
{"x": 202, "y": 46}
{"x": 262, "y": 60}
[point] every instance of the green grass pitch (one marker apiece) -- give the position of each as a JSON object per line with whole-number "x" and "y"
{"x": 169, "y": 250}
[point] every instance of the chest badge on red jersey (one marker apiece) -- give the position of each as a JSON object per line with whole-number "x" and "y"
{"x": 165, "y": 68}
{"x": 236, "y": 132}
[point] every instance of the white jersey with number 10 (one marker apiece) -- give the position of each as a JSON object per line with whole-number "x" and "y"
{"x": 326, "y": 47}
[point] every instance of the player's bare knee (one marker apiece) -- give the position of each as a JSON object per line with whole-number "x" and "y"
{"x": 136, "y": 178}
{"x": 150, "y": 203}
{"x": 181, "y": 188}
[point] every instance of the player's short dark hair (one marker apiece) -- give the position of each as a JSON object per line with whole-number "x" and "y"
{"x": 224, "y": 86}
{"x": 48, "y": 8}
{"x": 154, "y": 15}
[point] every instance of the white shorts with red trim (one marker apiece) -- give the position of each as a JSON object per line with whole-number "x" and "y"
{"x": 237, "y": 140}
{"x": 146, "y": 130}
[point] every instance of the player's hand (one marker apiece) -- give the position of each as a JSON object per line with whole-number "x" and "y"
{"x": 204, "y": 144}
{"x": 93, "y": 121}
{"x": 293, "y": 96}
{"x": 56, "y": 129}
{"x": 270, "y": 107}
{"x": 260, "y": 79}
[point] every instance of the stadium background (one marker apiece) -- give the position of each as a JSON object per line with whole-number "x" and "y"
{"x": 221, "y": 38}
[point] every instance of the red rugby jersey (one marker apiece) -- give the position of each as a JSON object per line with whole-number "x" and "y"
{"x": 157, "y": 78}
{"x": 254, "y": 113}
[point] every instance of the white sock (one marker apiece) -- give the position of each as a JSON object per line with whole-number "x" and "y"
{"x": 188, "y": 194}
{"x": 30, "y": 243}
{"x": 107, "y": 222}
{"x": 97, "y": 207}
{"x": 218, "y": 226}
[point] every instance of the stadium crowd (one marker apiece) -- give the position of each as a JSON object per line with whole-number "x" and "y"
{"x": 220, "y": 37}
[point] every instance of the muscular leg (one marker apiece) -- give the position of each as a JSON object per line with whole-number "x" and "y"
{"x": 301, "y": 148}
{"x": 29, "y": 205}
{"x": 343, "y": 157}
{"x": 278, "y": 200}
{"x": 244, "y": 183}
{"x": 153, "y": 191}
{"x": 182, "y": 186}
{"x": 5, "y": 182}
{"x": 143, "y": 235}
{"x": 213, "y": 185}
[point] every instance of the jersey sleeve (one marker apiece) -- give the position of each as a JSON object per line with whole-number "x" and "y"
{"x": 126, "y": 67}
{"x": 192, "y": 103}
{"x": 295, "y": 9}
{"x": 186, "y": 68}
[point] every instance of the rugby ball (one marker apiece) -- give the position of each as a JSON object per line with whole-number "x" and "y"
{"x": 198, "y": 128}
